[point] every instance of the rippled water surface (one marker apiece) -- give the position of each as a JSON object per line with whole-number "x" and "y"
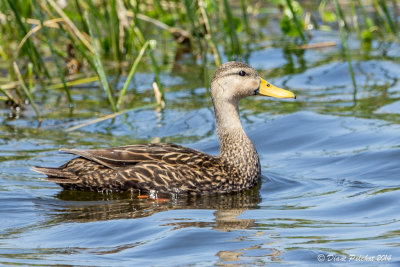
{"x": 330, "y": 160}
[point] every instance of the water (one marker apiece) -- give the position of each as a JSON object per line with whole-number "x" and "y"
{"x": 329, "y": 193}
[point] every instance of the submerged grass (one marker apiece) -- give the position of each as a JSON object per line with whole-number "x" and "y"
{"x": 60, "y": 46}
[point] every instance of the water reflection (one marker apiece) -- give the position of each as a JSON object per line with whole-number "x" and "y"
{"x": 93, "y": 206}
{"x": 85, "y": 207}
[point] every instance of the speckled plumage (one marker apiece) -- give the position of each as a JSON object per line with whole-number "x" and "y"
{"x": 169, "y": 168}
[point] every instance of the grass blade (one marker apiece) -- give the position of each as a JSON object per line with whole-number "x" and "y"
{"x": 243, "y": 6}
{"x": 388, "y": 17}
{"x": 210, "y": 35}
{"x": 107, "y": 117}
{"x": 296, "y": 21}
{"x": 235, "y": 45}
{"x": 30, "y": 76}
{"x": 67, "y": 20}
{"x": 99, "y": 66}
{"x": 140, "y": 35}
{"x": 114, "y": 32}
{"x": 26, "y": 91}
{"x": 30, "y": 50}
{"x": 341, "y": 23}
{"x": 9, "y": 95}
{"x": 56, "y": 61}
{"x": 192, "y": 17}
{"x": 131, "y": 73}
{"x": 75, "y": 82}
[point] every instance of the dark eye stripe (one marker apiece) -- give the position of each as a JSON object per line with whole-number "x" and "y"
{"x": 235, "y": 73}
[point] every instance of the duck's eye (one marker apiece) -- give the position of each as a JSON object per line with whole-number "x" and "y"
{"x": 242, "y": 73}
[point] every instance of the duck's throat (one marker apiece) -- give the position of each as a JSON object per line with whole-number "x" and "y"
{"x": 235, "y": 146}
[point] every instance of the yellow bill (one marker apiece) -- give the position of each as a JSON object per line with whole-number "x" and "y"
{"x": 268, "y": 89}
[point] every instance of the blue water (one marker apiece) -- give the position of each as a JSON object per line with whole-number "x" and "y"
{"x": 329, "y": 193}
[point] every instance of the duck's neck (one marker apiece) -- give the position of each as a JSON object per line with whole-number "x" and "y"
{"x": 235, "y": 146}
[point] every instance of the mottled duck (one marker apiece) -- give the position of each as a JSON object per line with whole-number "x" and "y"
{"x": 169, "y": 168}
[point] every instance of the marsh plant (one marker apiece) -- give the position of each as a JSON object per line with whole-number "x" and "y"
{"x": 58, "y": 45}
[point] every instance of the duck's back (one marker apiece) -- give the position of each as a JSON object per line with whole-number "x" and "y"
{"x": 166, "y": 168}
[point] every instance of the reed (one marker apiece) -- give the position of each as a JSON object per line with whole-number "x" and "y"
{"x": 220, "y": 25}
{"x": 299, "y": 27}
{"x": 27, "y": 92}
{"x": 29, "y": 48}
{"x": 235, "y": 45}
{"x": 243, "y": 6}
{"x": 30, "y": 76}
{"x": 154, "y": 63}
{"x": 75, "y": 82}
{"x": 194, "y": 20}
{"x": 342, "y": 30}
{"x": 8, "y": 95}
{"x": 383, "y": 11}
{"x": 56, "y": 61}
{"x": 99, "y": 66}
{"x": 131, "y": 73}
{"x": 210, "y": 34}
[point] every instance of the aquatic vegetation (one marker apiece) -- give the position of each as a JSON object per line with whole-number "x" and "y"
{"x": 68, "y": 42}
{"x": 59, "y": 44}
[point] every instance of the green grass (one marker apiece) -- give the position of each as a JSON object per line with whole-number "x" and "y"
{"x": 99, "y": 66}
{"x": 26, "y": 91}
{"x": 108, "y": 37}
{"x": 342, "y": 23}
{"x": 131, "y": 73}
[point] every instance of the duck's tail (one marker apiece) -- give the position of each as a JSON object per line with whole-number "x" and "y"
{"x": 57, "y": 175}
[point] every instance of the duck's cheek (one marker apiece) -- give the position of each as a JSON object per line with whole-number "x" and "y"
{"x": 255, "y": 85}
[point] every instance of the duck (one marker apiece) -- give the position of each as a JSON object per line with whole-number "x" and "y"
{"x": 175, "y": 169}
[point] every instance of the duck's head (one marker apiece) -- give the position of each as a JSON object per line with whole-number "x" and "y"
{"x": 236, "y": 80}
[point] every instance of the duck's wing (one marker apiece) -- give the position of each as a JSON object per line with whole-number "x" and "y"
{"x": 199, "y": 175}
{"x": 166, "y": 168}
{"x": 131, "y": 155}
{"x": 162, "y": 167}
